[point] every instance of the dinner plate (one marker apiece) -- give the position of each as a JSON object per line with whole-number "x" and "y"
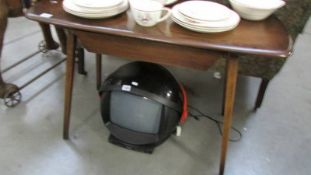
{"x": 202, "y": 29}
{"x": 97, "y": 3}
{"x": 204, "y": 10}
{"x": 94, "y": 16}
{"x": 233, "y": 19}
{"x": 69, "y": 4}
{"x": 103, "y": 14}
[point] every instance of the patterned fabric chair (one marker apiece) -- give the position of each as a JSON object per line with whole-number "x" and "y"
{"x": 294, "y": 16}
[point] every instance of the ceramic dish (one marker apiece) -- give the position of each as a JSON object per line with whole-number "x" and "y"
{"x": 97, "y": 3}
{"x": 94, "y": 16}
{"x": 261, "y": 4}
{"x": 204, "y": 10}
{"x": 256, "y": 9}
{"x": 69, "y": 4}
{"x": 201, "y": 29}
{"x": 233, "y": 20}
{"x": 71, "y": 8}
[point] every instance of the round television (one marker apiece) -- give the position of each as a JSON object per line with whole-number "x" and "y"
{"x": 141, "y": 105}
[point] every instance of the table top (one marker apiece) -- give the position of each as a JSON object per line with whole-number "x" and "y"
{"x": 266, "y": 38}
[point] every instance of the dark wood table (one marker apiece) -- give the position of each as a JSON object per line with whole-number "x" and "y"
{"x": 166, "y": 43}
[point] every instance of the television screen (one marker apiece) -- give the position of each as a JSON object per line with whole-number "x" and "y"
{"x": 135, "y": 112}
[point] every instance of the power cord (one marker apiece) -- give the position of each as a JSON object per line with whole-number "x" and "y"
{"x": 218, "y": 122}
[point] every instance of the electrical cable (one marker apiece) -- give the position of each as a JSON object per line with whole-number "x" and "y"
{"x": 218, "y": 122}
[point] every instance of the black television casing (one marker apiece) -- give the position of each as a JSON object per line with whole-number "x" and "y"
{"x": 153, "y": 82}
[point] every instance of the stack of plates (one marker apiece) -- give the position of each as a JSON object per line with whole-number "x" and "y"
{"x": 205, "y": 16}
{"x": 95, "y": 9}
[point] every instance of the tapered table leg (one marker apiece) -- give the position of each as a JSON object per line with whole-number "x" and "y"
{"x": 231, "y": 79}
{"x": 98, "y": 70}
{"x": 47, "y": 34}
{"x": 62, "y": 38}
{"x": 70, "y": 66}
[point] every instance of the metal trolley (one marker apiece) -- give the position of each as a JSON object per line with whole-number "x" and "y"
{"x": 12, "y": 95}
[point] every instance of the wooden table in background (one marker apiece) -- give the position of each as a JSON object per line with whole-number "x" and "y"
{"x": 167, "y": 43}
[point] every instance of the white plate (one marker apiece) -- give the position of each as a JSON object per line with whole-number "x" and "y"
{"x": 103, "y": 14}
{"x": 202, "y": 29}
{"x": 97, "y": 3}
{"x": 204, "y": 10}
{"x": 69, "y": 4}
{"x": 73, "y": 7}
{"x": 94, "y": 16}
{"x": 233, "y": 20}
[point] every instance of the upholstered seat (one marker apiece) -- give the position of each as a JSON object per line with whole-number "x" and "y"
{"x": 294, "y": 15}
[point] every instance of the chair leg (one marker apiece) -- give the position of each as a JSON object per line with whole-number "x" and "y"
{"x": 261, "y": 93}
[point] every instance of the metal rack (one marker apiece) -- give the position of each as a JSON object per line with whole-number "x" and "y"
{"x": 13, "y": 96}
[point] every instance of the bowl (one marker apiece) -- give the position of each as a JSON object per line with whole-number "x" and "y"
{"x": 256, "y": 10}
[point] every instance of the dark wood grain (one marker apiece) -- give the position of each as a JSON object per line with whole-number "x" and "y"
{"x": 139, "y": 49}
{"x": 231, "y": 78}
{"x": 266, "y": 38}
{"x": 71, "y": 45}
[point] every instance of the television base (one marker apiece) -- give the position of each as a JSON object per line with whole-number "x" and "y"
{"x": 140, "y": 148}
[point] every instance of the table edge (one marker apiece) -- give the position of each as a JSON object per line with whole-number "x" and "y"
{"x": 226, "y": 49}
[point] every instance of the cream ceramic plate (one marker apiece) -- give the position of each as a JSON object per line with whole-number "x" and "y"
{"x": 97, "y": 3}
{"x": 202, "y": 29}
{"x": 95, "y": 16}
{"x": 233, "y": 19}
{"x": 204, "y": 10}
{"x": 69, "y": 4}
{"x": 206, "y": 26}
{"x": 69, "y": 7}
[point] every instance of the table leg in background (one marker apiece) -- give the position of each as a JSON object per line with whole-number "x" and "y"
{"x": 98, "y": 70}
{"x": 70, "y": 66}
{"x": 231, "y": 79}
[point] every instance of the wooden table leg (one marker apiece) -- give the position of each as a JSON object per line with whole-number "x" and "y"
{"x": 70, "y": 66}
{"x": 98, "y": 70}
{"x": 47, "y": 34}
{"x": 231, "y": 79}
{"x": 62, "y": 38}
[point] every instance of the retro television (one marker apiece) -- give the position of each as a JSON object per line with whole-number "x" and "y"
{"x": 141, "y": 105}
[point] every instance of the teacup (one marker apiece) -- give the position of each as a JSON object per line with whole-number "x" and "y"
{"x": 148, "y": 12}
